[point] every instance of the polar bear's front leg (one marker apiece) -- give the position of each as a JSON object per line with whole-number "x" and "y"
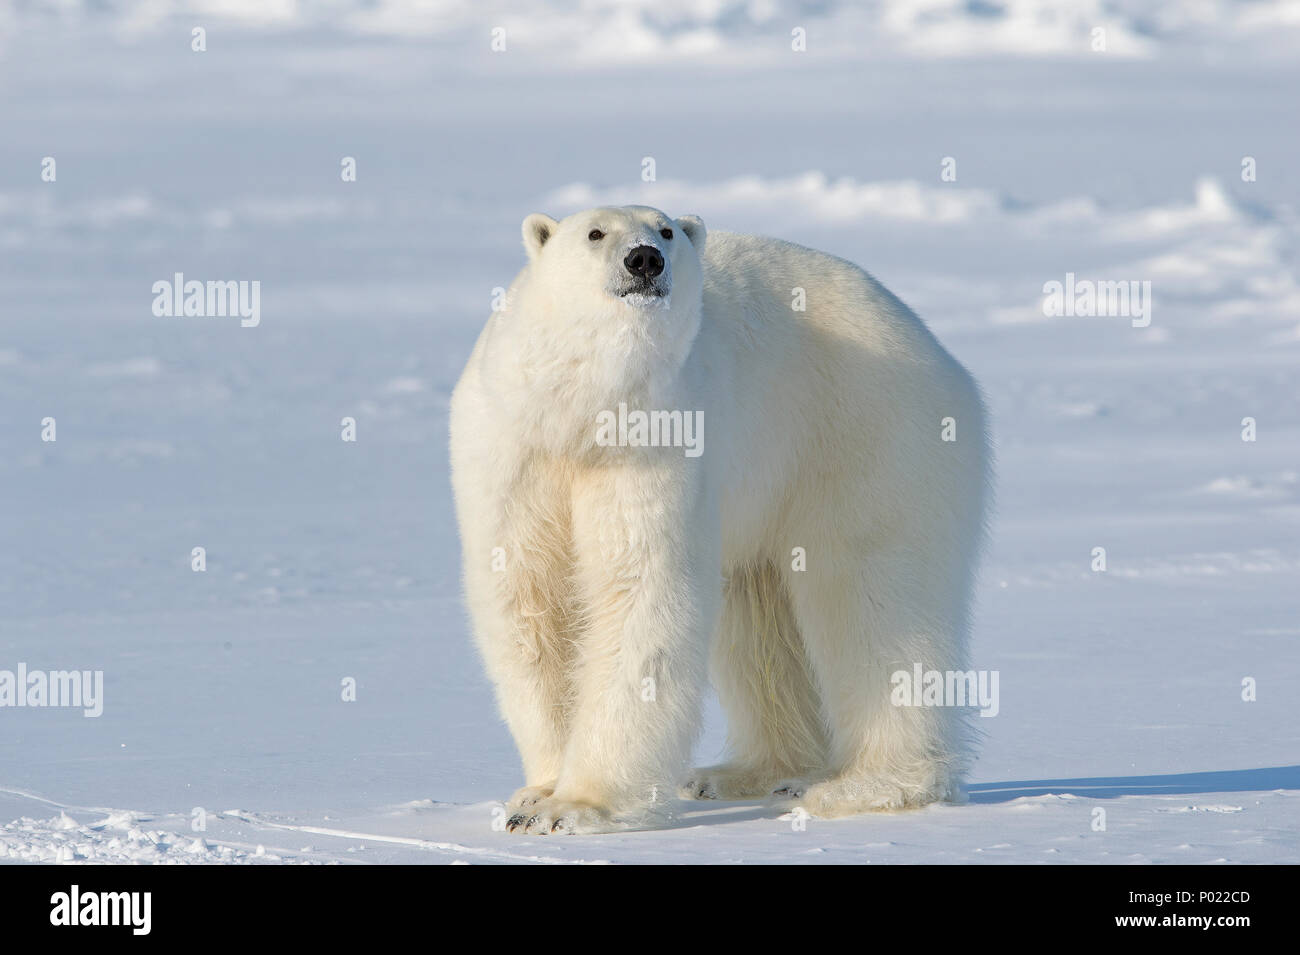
{"x": 516, "y": 582}
{"x": 649, "y": 581}
{"x": 524, "y": 653}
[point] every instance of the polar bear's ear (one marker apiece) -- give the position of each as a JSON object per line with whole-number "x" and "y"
{"x": 693, "y": 226}
{"x": 537, "y": 229}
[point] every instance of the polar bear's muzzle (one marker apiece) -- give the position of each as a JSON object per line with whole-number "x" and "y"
{"x": 645, "y": 261}
{"x": 644, "y": 270}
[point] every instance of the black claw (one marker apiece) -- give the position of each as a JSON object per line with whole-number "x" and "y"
{"x": 701, "y": 790}
{"x": 515, "y": 821}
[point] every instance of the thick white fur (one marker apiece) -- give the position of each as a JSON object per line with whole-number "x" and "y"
{"x": 622, "y": 565}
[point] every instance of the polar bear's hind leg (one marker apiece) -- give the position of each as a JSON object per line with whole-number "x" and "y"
{"x": 761, "y": 673}
{"x": 864, "y": 621}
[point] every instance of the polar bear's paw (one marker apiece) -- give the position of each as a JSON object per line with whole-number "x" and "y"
{"x": 728, "y": 781}
{"x": 848, "y": 796}
{"x": 559, "y": 816}
{"x": 530, "y": 795}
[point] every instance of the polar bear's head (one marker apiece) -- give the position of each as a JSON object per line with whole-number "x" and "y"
{"x": 632, "y": 256}
{"x": 610, "y": 300}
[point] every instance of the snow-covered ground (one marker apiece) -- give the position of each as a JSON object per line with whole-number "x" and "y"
{"x": 1120, "y": 690}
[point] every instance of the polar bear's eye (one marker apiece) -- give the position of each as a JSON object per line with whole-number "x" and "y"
{"x": 666, "y": 233}
{"x": 595, "y": 235}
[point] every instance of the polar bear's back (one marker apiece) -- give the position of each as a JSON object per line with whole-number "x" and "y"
{"x": 855, "y": 368}
{"x": 763, "y": 275}
{"x": 765, "y": 290}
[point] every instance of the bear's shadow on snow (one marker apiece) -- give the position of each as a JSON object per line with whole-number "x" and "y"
{"x": 708, "y": 812}
{"x": 1109, "y": 787}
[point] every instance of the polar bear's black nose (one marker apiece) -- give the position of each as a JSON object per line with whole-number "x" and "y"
{"x": 644, "y": 260}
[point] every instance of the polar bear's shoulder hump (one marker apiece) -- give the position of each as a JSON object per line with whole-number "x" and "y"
{"x": 734, "y": 252}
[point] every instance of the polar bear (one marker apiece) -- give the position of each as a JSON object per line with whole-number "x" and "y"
{"x": 675, "y": 453}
